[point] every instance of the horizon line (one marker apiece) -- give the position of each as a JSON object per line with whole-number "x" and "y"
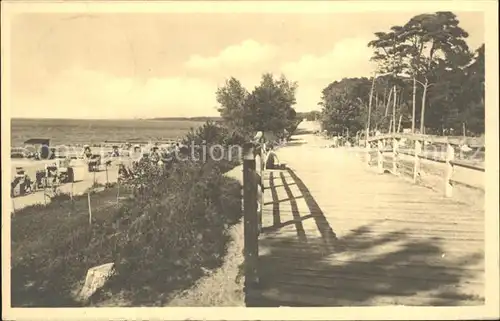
{"x": 127, "y": 118}
{"x": 135, "y": 118}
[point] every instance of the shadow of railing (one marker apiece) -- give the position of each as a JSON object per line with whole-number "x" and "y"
{"x": 329, "y": 237}
{"x": 295, "y": 143}
{"x": 365, "y": 267}
{"x": 408, "y": 275}
{"x": 302, "y": 131}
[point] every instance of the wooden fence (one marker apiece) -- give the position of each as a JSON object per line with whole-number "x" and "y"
{"x": 254, "y": 156}
{"x": 446, "y": 150}
{"x": 253, "y": 182}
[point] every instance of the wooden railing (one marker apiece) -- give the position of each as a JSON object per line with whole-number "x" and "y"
{"x": 254, "y": 156}
{"x": 253, "y": 176}
{"x": 445, "y": 151}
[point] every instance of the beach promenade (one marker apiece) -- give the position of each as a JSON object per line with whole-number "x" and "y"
{"x": 335, "y": 232}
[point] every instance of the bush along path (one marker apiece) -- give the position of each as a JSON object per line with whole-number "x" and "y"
{"x": 221, "y": 286}
{"x": 167, "y": 243}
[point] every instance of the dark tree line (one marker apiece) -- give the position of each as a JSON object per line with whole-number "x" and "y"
{"x": 428, "y": 80}
{"x": 310, "y": 116}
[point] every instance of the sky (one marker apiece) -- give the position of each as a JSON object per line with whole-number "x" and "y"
{"x": 122, "y": 65}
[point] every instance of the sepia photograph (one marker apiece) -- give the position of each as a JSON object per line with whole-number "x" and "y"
{"x": 250, "y": 155}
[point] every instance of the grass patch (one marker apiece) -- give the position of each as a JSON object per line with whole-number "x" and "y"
{"x": 53, "y": 246}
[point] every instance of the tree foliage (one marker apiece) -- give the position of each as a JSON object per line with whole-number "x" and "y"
{"x": 269, "y": 107}
{"x": 310, "y": 116}
{"x": 449, "y": 81}
{"x": 231, "y": 98}
{"x": 343, "y": 104}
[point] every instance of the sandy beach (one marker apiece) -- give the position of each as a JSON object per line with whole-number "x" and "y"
{"x": 83, "y": 180}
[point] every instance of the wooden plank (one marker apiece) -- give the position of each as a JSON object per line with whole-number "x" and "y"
{"x": 469, "y": 165}
{"x": 395, "y": 242}
{"x": 454, "y": 140}
{"x": 398, "y": 225}
{"x": 303, "y": 296}
{"x": 371, "y": 267}
{"x": 388, "y": 284}
{"x": 381, "y": 216}
{"x": 449, "y": 235}
{"x": 393, "y": 224}
{"x": 281, "y": 250}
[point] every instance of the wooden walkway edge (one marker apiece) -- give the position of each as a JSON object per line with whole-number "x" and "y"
{"x": 337, "y": 234}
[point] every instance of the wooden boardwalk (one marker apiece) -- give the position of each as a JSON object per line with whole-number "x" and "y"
{"x": 336, "y": 233}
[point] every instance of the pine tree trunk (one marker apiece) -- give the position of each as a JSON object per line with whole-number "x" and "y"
{"x": 370, "y": 109}
{"x": 422, "y": 115}
{"x": 414, "y": 105}
{"x": 394, "y": 110}
{"x": 388, "y": 102}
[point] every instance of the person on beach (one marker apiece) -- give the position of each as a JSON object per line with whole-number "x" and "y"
{"x": 115, "y": 152}
{"x": 87, "y": 152}
{"x": 272, "y": 161}
{"x": 335, "y": 141}
{"x": 155, "y": 155}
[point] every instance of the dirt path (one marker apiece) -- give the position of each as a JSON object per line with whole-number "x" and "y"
{"x": 223, "y": 286}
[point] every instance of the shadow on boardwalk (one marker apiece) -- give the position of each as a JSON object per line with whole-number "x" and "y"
{"x": 302, "y": 131}
{"x": 330, "y": 271}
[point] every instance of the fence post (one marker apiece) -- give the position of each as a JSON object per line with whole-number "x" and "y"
{"x": 90, "y": 207}
{"x": 450, "y": 157}
{"x": 251, "y": 249}
{"x": 46, "y": 176}
{"x": 118, "y": 191}
{"x": 395, "y": 153}
{"x": 416, "y": 165}
{"x": 367, "y": 151}
{"x": 262, "y": 169}
{"x": 107, "y": 179}
{"x": 380, "y": 156}
{"x": 258, "y": 185}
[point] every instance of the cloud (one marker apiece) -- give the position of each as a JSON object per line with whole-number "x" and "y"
{"x": 79, "y": 93}
{"x": 348, "y": 58}
{"x": 84, "y": 93}
{"x": 244, "y": 54}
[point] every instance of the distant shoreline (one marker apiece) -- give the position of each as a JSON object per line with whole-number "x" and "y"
{"x": 197, "y": 118}
{"x": 87, "y": 131}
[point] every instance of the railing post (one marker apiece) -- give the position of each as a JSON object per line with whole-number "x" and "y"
{"x": 251, "y": 249}
{"x": 416, "y": 165}
{"x": 450, "y": 157}
{"x": 262, "y": 170}
{"x": 367, "y": 151}
{"x": 259, "y": 186}
{"x": 395, "y": 153}
{"x": 380, "y": 156}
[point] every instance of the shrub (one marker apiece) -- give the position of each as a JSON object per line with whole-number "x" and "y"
{"x": 60, "y": 197}
{"x": 174, "y": 227}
